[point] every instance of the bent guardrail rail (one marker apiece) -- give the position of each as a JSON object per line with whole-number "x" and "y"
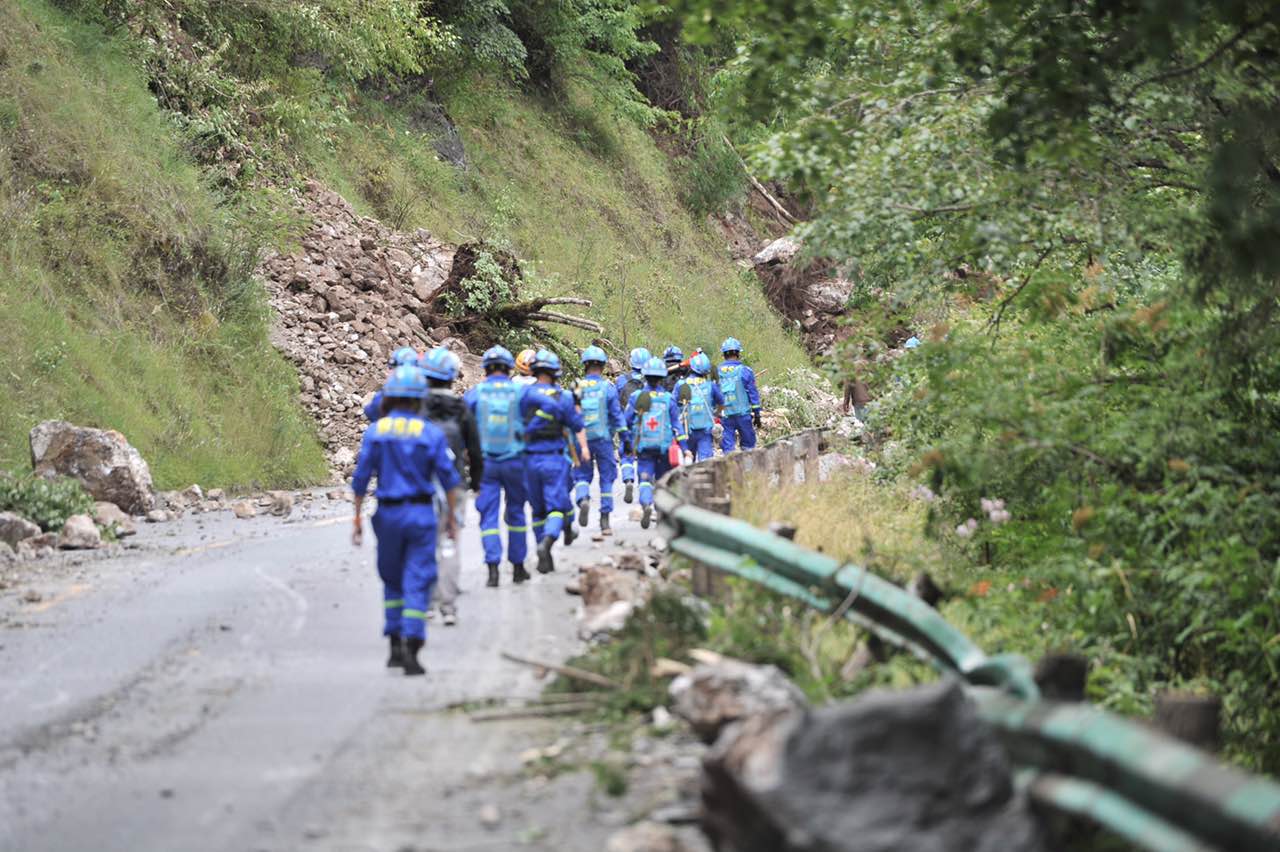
{"x": 1147, "y": 787}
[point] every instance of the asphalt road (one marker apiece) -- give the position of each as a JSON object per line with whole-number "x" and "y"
{"x": 221, "y": 686}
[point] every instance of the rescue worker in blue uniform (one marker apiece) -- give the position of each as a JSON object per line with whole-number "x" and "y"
{"x": 402, "y": 357}
{"x": 627, "y": 384}
{"x": 701, "y": 405}
{"x": 495, "y": 403}
{"x": 550, "y": 418}
{"x": 602, "y": 419}
{"x": 654, "y": 420}
{"x": 673, "y": 357}
{"x": 741, "y": 399}
{"x": 409, "y": 456}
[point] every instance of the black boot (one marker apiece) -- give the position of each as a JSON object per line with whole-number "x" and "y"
{"x": 584, "y": 511}
{"x": 545, "y": 563}
{"x": 605, "y": 529}
{"x": 646, "y": 517}
{"x": 628, "y": 492}
{"x": 396, "y": 659}
{"x": 493, "y": 575}
{"x": 570, "y": 534}
{"x": 411, "y": 665}
{"x": 518, "y": 574}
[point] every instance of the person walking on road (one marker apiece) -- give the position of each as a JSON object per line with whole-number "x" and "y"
{"x": 654, "y": 420}
{"x": 405, "y": 356}
{"x": 447, "y": 410}
{"x": 551, "y": 425}
{"x": 602, "y": 419}
{"x": 495, "y": 404}
{"x": 412, "y": 462}
{"x": 701, "y": 406}
{"x": 741, "y": 399}
{"x": 627, "y": 384}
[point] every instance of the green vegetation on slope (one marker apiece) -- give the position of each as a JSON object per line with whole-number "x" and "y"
{"x": 126, "y": 299}
{"x": 592, "y": 203}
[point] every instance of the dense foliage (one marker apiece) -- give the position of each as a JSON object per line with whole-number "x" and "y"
{"x": 45, "y": 502}
{"x": 1077, "y": 205}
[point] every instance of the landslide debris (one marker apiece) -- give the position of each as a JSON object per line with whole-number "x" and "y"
{"x": 357, "y": 290}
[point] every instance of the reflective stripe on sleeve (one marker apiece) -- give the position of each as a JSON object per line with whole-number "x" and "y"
{"x": 393, "y": 603}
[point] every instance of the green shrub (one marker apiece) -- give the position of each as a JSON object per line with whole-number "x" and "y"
{"x": 711, "y": 177}
{"x": 46, "y": 502}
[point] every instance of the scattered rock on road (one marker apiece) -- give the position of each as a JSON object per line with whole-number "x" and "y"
{"x": 15, "y": 528}
{"x": 32, "y": 596}
{"x": 716, "y": 694}
{"x": 105, "y": 463}
{"x": 490, "y": 817}
{"x": 217, "y": 495}
{"x": 79, "y": 533}
{"x": 158, "y": 516}
{"x": 891, "y": 770}
{"x": 193, "y": 494}
{"x": 243, "y": 510}
{"x": 281, "y": 504}
{"x": 646, "y": 837}
{"x": 110, "y": 516}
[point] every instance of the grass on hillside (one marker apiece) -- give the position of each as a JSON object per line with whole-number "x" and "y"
{"x": 591, "y": 202}
{"x": 125, "y": 295}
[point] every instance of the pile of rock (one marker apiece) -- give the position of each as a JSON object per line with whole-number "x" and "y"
{"x": 355, "y": 293}
{"x": 812, "y": 294}
{"x": 611, "y": 591}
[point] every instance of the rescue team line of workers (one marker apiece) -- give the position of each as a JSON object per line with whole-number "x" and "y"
{"x": 518, "y": 437}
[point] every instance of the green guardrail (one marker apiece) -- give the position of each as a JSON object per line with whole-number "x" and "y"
{"x": 1149, "y": 788}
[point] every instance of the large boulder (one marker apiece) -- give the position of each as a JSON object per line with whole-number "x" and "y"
{"x": 15, "y": 528}
{"x": 105, "y": 463}
{"x": 905, "y": 771}
{"x": 79, "y": 533}
{"x": 712, "y": 696}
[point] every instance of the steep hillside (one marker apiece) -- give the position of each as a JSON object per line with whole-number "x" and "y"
{"x": 127, "y": 298}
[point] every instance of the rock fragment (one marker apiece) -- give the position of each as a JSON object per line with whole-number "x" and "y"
{"x": 110, "y": 516}
{"x": 15, "y": 528}
{"x": 714, "y": 695}
{"x": 79, "y": 533}
{"x": 243, "y": 510}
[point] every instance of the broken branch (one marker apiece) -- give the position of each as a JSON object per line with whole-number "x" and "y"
{"x": 565, "y": 671}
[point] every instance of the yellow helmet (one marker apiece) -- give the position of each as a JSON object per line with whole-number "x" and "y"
{"x": 524, "y": 362}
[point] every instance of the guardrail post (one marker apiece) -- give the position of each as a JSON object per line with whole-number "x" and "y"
{"x": 1190, "y": 717}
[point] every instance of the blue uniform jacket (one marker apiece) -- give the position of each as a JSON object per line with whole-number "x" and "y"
{"x": 717, "y": 395}
{"x": 748, "y": 382}
{"x": 548, "y": 409}
{"x": 406, "y": 453}
{"x": 673, "y": 412}
{"x": 374, "y": 409}
{"x": 617, "y": 420}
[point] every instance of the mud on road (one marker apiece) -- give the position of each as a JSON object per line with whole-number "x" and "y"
{"x": 219, "y": 685}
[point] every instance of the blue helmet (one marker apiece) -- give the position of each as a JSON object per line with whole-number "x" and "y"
{"x": 700, "y": 364}
{"x": 405, "y": 356}
{"x": 499, "y": 355}
{"x": 548, "y": 361}
{"x": 639, "y": 357}
{"x": 406, "y": 382}
{"x": 654, "y": 368}
{"x": 731, "y": 344}
{"x": 440, "y": 364}
{"x": 594, "y": 354}
{"x": 672, "y": 355}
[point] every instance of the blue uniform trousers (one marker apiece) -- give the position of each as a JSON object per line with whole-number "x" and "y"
{"x": 407, "y": 564}
{"x": 701, "y": 444}
{"x": 737, "y": 429}
{"x": 547, "y": 481}
{"x": 505, "y": 476}
{"x": 602, "y": 460}
{"x": 627, "y": 461}
{"x": 651, "y": 465}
